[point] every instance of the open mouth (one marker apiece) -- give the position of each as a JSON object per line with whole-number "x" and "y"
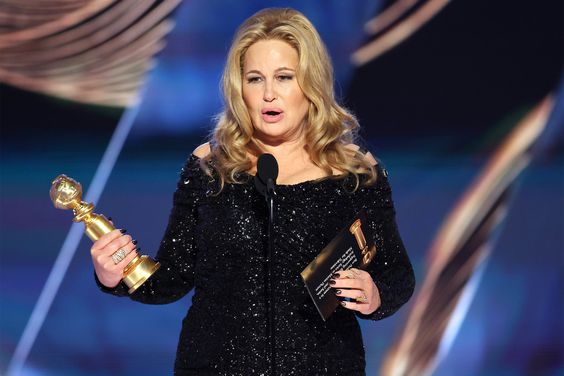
{"x": 272, "y": 115}
{"x": 271, "y": 111}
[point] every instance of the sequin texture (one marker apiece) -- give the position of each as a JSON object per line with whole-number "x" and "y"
{"x": 216, "y": 243}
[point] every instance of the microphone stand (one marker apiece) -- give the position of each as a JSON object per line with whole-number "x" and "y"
{"x": 269, "y": 194}
{"x": 265, "y": 182}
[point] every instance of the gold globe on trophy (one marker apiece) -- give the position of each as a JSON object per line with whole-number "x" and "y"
{"x": 66, "y": 193}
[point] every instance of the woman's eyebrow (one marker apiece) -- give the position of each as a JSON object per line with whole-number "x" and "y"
{"x": 284, "y": 68}
{"x": 276, "y": 71}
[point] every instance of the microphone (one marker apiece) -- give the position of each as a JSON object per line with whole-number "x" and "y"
{"x": 267, "y": 172}
{"x": 265, "y": 181}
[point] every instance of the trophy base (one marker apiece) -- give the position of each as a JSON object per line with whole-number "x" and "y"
{"x": 141, "y": 269}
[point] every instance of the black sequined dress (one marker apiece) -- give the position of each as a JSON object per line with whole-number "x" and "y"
{"x": 216, "y": 243}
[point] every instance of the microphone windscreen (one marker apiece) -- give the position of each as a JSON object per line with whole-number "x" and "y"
{"x": 267, "y": 168}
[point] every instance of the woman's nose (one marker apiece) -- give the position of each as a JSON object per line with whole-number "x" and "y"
{"x": 268, "y": 95}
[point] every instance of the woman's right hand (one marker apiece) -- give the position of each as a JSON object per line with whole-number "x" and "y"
{"x": 109, "y": 273}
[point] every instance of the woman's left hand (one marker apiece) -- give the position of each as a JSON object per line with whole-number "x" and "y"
{"x": 358, "y": 285}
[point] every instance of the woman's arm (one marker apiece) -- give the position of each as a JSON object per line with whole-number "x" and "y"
{"x": 390, "y": 268}
{"x": 177, "y": 251}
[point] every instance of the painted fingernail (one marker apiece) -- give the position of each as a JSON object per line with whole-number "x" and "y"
{"x": 134, "y": 242}
{"x": 332, "y": 282}
{"x": 344, "y": 304}
{"x": 336, "y": 275}
{"x": 123, "y": 231}
{"x": 338, "y": 292}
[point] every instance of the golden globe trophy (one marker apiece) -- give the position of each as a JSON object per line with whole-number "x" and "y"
{"x": 66, "y": 193}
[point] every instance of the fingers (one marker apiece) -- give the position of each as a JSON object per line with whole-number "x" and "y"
{"x": 106, "y": 239}
{"x": 367, "y": 306}
{"x": 350, "y": 279}
{"x": 113, "y": 249}
{"x": 357, "y": 289}
{"x": 357, "y": 295}
{"x": 360, "y": 307}
{"x": 111, "y": 253}
{"x": 130, "y": 256}
{"x": 110, "y": 243}
{"x": 352, "y": 273}
{"x": 122, "y": 253}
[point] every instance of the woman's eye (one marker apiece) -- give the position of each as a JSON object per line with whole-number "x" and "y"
{"x": 251, "y": 80}
{"x": 285, "y": 77}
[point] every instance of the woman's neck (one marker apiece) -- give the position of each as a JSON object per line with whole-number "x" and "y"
{"x": 287, "y": 153}
{"x": 294, "y": 162}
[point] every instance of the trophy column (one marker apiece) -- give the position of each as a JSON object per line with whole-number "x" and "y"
{"x": 66, "y": 193}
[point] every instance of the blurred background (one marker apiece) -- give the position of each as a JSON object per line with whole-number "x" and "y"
{"x": 462, "y": 101}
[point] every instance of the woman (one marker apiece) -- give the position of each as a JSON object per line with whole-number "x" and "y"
{"x": 278, "y": 90}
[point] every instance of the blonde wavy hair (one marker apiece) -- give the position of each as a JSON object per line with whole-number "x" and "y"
{"x": 330, "y": 129}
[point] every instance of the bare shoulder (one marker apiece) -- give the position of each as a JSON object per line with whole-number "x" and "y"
{"x": 202, "y": 150}
{"x": 367, "y": 155}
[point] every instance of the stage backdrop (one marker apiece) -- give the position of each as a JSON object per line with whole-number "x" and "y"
{"x": 461, "y": 101}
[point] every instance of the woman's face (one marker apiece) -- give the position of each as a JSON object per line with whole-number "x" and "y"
{"x": 274, "y": 99}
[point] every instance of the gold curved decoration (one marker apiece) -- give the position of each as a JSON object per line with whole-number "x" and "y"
{"x": 95, "y": 52}
{"x": 460, "y": 247}
{"x": 388, "y": 16}
{"x": 55, "y": 18}
{"x": 397, "y": 33}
